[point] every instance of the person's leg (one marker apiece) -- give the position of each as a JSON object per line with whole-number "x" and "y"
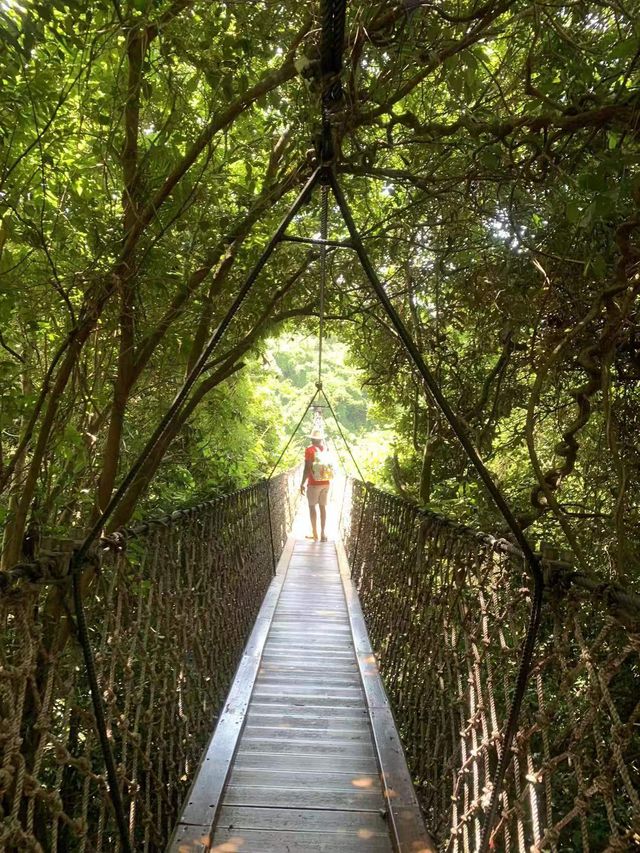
{"x": 323, "y": 499}
{"x": 312, "y": 498}
{"x": 313, "y": 515}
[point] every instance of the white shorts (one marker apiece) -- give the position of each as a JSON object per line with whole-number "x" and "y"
{"x": 318, "y": 495}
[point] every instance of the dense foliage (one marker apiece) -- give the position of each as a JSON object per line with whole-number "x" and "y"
{"x": 490, "y": 150}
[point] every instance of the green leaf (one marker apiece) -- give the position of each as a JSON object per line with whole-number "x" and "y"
{"x": 573, "y": 210}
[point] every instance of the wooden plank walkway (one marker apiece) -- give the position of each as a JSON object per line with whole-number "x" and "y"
{"x": 295, "y": 764}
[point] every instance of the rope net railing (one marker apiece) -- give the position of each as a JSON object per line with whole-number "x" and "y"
{"x": 170, "y": 606}
{"x": 446, "y": 609}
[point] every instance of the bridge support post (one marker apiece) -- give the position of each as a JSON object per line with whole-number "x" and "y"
{"x": 273, "y": 547}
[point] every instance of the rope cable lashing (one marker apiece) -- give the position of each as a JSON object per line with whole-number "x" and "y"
{"x": 494, "y": 491}
{"x": 79, "y": 557}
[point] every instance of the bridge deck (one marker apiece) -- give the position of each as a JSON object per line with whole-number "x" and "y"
{"x": 305, "y": 756}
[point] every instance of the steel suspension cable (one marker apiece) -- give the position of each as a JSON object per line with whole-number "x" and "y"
{"x": 342, "y": 436}
{"x": 293, "y": 434}
{"x": 485, "y": 476}
{"x": 330, "y": 441}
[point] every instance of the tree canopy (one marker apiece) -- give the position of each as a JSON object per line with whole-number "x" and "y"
{"x": 148, "y": 149}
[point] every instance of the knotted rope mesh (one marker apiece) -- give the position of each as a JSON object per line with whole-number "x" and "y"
{"x": 170, "y": 612}
{"x": 446, "y": 609}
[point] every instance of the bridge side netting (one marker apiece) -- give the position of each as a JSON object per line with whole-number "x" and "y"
{"x": 446, "y": 609}
{"x": 169, "y": 614}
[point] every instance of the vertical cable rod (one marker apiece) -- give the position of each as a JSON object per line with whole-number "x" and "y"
{"x": 324, "y": 228}
{"x": 273, "y": 547}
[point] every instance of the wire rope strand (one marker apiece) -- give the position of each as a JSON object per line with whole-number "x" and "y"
{"x": 196, "y": 371}
{"x": 342, "y": 436}
{"x": 77, "y": 563}
{"x": 293, "y": 434}
{"x": 528, "y": 646}
{"x": 330, "y": 438}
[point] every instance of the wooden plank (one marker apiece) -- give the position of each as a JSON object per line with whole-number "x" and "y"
{"x": 301, "y": 657}
{"x": 303, "y": 592}
{"x": 313, "y": 683}
{"x": 329, "y": 780}
{"x": 299, "y": 643}
{"x": 310, "y": 710}
{"x": 318, "y": 615}
{"x": 340, "y": 628}
{"x": 345, "y": 675}
{"x": 312, "y": 679}
{"x": 305, "y": 775}
{"x": 258, "y": 637}
{"x": 294, "y": 665}
{"x": 300, "y": 604}
{"x": 271, "y": 761}
{"x": 325, "y": 608}
{"x": 318, "y": 820}
{"x": 306, "y": 797}
{"x": 296, "y": 700}
{"x": 327, "y": 723}
{"x": 313, "y": 638}
{"x": 297, "y": 688}
{"x": 319, "y": 608}
{"x": 304, "y": 651}
{"x": 337, "y": 627}
{"x": 345, "y": 748}
{"x": 303, "y": 606}
{"x": 301, "y": 661}
{"x": 251, "y": 841}
{"x": 309, "y": 733}
{"x": 307, "y": 652}
{"x": 404, "y": 812}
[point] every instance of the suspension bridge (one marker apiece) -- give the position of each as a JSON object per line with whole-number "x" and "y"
{"x": 263, "y": 693}
{"x": 211, "y": 681}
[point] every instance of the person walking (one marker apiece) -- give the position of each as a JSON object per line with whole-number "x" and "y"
{"x": 316, "y": 481}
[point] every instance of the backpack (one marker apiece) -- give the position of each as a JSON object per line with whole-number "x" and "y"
{"x": 322, "y": 466}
